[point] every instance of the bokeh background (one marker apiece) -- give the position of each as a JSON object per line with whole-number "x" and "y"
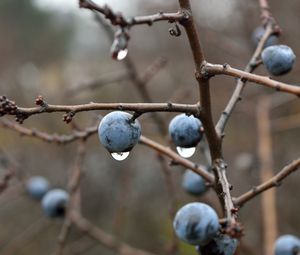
{"x": 52, "y": 48}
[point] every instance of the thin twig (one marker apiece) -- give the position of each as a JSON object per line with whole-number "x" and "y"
{"x": 143, "y": 140}
{"x": 275, "y": 181}
{"x": 74, "y": 204}
{"x": 119, "y": 19}
{"x": 46, "y": 137}
{"x": 104, "y": 238}
{"x": 268, "y": 199}
{"x": 176, "y": 158}
{"x": 236, "y": 96}
{"x": 171, "y": 192}
{"x": 214, "y": 69}
{"x": 22, "y": 113}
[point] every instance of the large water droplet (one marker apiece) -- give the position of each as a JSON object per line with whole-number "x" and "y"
{"x": 186, "y": 152}
{"x": 120, "y": 155}
{"x": 122, "y": 54}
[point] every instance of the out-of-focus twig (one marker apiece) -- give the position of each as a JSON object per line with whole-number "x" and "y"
{"x": 171, "y": 192}
{"x": 50, "y": 138}
{"x": 104, "y": 238}
{"x": 5, "y": 179}
{"x": 74, "y": 192}
{"x": 27, "y": 234}
{"x": 269, "y": 211}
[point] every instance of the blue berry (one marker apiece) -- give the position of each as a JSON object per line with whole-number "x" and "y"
{"x": 278, "y": 59}
{"x": 220, "y": 245}
{"x": 196, "y": 223}
{"x": 37, "y": 186}
{"x": 287, "y": 245}
{"x": 118, "y": 132}
{"x": 54, "y": 203}
{"x": 193, "y": 183}
{"x": 258, "y": 34}
{"x": 185, "y": 131}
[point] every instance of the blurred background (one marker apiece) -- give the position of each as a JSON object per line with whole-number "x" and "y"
{"x": 54, "y": 49}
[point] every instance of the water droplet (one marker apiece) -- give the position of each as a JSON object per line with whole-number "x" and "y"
{"x": 122, "y": 54}
{"x": 120, "y": 155}
{"x": 186, "y": 152}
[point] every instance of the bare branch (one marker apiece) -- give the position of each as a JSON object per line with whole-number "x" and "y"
{"x": 273, "y": 182}
{"x": 176, "y": 158}
{"x": 213, "y": 69}
{"x": 22, "y": 113}
{"x": 50, "y": 138}
{"x": 250, "y": 67}
{"x": 119, "y": 19}
{"x": 5, "y": 179}
{"x": 104, "y": 238}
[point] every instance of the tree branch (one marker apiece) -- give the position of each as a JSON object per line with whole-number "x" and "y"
{"x": 10, "y": 108}
{"x": 273, "y": 182}
{"x": 250, "y": 67}
{"x": 214, "y": 69}
{"x": 119, "y": 19}
{"x": 50, "y": 138}
{"x": 104, "y": 238}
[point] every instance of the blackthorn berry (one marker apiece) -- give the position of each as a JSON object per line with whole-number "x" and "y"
{"x": 287, "y": 245}
{"x": 118, "y": 132}
{"x": 220, "y": 245}
{"x": 278, "y": 59}
{"x": 54, "y": 203}
{"x": 196, "y": 223}
{"x": 185, "y": 131}
{"x": 193, "y": 183}
{"x": 258, "y": 34}
{"x": 37, "y": 186}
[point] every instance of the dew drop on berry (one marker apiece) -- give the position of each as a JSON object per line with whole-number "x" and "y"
{"x": 186, "y": 152}
{"x": 119, "y": 156}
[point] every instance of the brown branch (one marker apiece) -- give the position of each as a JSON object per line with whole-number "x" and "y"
{"x": 214, "y": 140}
{"x": 266, "y": 14}
{"x": 120, "y": 20}
{"x": 176, "y": 158}
{"x": 22, "y": 113}
{"x": 143, "y": 140}
{"x": 171, "y": 192}
{"x": 4, "y": 182}
{"x": 104, "y": 238}
{"x": 74, "y": 204}
{"x": 268, "y": 199}
{"x": 271, "y": 183}
{"x": 250, "y": 67}
{"x": 214, "y": 69}
{"x": 50, "y": 138}
{"x": 26, "y": 234}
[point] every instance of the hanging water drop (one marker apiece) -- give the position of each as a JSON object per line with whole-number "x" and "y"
{"x": 120, "y": 155}
{"x": 186, "y": 152}
{"x": 122, "y": 54}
